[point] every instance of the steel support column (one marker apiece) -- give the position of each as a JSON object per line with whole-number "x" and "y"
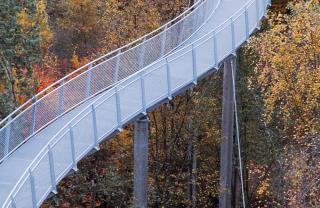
{"x": 226, "y": 146}
{"x": 141, "y": 134}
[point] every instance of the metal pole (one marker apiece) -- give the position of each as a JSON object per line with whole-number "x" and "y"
{"x": 118, "y": 109}
{"x": 95, "y": 128}
{"x": 116, "y": 75}
{"x": 258, "y": 14}
{"x": 142, "y": 53}
{"x": 33, "y": 189}
{"x": 34, "y": 115}
{"x": 168, "y": 80}
{"x": 194, "y": 65}
{"x": 13, "y": 202}
{"x": 60, "y": 98}
{"x": 141, "y": 133}
{"x": 52, "y": 171}
{"x": 73, "y": 151}
{"x": 215, "y": 50}
{"x": 181, "y": 32}
{"x": 88, "y": 82}
{"x": 143, "y": 94}
{"x": 233, "y": 36}
{"x": 247, "y": 23}
{"x": 226, "y": 145}
{"x": 163, "y": 41}
{"x": 8, "y": 135}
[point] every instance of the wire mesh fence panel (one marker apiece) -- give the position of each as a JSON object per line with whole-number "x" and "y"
{"x": 123, "y": 102}
{"x": 204, "y": 55}
{"x": 23, "y": 197}
{"x": 62, "y": 155}
{"x": 83, "y": 140}
{"x": 107, "y": 115}
{"x": 42, "y": 179}
{"x": 224, "y": 45}
{"x": 152, "y": 49}
{"x": 252, "y": 15}
{"x": 103, "y": 75}
{"x": 152, "y": 91}
{"x": 47, "y": 108}
{"x": 240, "y": 30}
{"x": 74, "y": 92}
{"x": 97, "y": 76}
{"x": 2, "y": 143}
{"x": 129, "y": 62}
{"x": 181, "y": 70}
{"x": 20, "y": 129}
{"x": 130, "y": 99}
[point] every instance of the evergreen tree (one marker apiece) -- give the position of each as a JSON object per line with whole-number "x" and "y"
{"x": 20, "y": 44}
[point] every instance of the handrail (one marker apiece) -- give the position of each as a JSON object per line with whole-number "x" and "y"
{"x": 31, "y": 105}
{"x": 97, "y": 59}
{"x": 139, "y": 75}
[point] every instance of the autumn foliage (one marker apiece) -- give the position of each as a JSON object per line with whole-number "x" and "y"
{"x": 278, "y": 92}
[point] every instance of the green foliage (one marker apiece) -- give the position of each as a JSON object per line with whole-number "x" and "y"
{"x": 19, "y": 49}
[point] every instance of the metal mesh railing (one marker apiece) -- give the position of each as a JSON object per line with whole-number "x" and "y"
{"x": 77, "y": 137}
{"x": 97, "y": 76}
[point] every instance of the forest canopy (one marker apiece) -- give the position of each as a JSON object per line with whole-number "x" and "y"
{"x": 278, "y": 93}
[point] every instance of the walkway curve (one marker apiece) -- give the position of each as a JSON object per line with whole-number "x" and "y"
{"x": 76, "y": 133}
{"x": 99, "y": 75}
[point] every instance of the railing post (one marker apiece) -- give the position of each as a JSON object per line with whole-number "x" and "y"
{"x": 140, "y": 187}
{"x": 258, "y": 13}
{"x": 247, "y": 22}
{"x": 8, "y": 134}
{"x": 195, "y": 20}
{"x": 34, "y": 114}
{"x": 203, "y": 14}
{"x": 13, "y": 202}
{"x": 181, "y": 32}
{"x": 52, "y": 171}
{"x": 118, "y": 108}
{"x": 143, "y": 94}
{"x": 73, "y": 151}
{"x": 215, "y": 50}
{"x": 33, "y": 189}
{"x": 205, "y": 9}
{"x": 116, "y": 74}
{"x": 88, "y": 82}
{"x": 95, "y": 129}
{"x": 194, "y": 65}
{"x": 142, "y": 53}
{"x": 233, "y": 36}
{"x": 60, "y": 98}
{"x": 163, "y": 41}
{"x": 168, "y": 79}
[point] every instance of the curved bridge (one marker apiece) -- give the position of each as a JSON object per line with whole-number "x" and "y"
{"x": 42, "y": 141}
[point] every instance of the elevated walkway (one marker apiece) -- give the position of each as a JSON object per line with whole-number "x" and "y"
{"x": 30, "y": 173}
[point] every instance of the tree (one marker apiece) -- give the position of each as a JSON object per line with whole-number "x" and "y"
{"x": 286, "y": 82}
{"x": 126, "y": 21}
{"x": 23, "y": 32}
{"x": 78, "y": 29}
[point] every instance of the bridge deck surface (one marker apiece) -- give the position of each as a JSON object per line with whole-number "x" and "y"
{"x": 16, "y": 164}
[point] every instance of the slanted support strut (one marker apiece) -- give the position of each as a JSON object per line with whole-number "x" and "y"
{"x": 141, "y": 134}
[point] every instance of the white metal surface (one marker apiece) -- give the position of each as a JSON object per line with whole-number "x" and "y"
{"x": 97, "y": 76}
{"x": 31, "y": 172}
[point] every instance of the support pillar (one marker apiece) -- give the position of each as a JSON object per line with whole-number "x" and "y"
{"x": 141, "y": 134}
{"x": 226, "y": 146}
